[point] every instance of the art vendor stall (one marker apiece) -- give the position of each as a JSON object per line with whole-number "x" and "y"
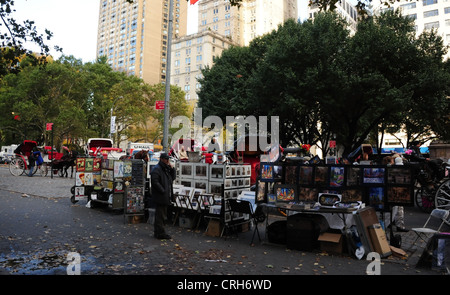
{"x": 328, "y": 204}
{"x": 202, "y": 191}
{"x": 119, "y": 184}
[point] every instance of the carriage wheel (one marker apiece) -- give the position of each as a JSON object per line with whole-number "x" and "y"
{"x": 17, "y": 166}
{"x": 425, "y": 199}
{"x": 43, "y": 169}
{"x": 442, "y": 197}
{"x": 35, "y": 169}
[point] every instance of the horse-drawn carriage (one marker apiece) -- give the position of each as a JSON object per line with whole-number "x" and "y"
{"x": 20, "y": 162}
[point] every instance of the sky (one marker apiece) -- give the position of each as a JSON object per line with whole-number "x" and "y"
{"x": 74, "y": 24}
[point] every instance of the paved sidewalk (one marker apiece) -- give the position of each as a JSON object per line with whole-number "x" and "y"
{"x": 37, "y": 218}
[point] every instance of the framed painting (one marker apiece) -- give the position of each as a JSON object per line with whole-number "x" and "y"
{"x": 337, "y": 176}
{"x": 400, "y": 195}
{"x": 285, "y": 193}
{"x": 305, "y": 175}
{"x": 321, "y": 175}
{"x": 376, "y": 197}
{"x": 306, "y": 194}
{"x": 261, "y": 191}
{"x": 373, "y": 175}
{"x": 266, "y": 172}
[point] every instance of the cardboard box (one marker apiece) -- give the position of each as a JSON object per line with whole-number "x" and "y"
{"x": 331, "y": 242}
{"x": 214, "y": 228}
{"x": 379, "y": 240}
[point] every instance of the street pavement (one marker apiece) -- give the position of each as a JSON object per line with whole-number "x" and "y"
{"x": 42, "y": 232}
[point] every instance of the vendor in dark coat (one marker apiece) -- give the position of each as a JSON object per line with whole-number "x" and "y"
{"x": 162, "y": 177}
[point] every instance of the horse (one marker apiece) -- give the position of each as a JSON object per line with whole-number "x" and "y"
{"x": 66, "y": 161}
{"x": 142, "y": 154}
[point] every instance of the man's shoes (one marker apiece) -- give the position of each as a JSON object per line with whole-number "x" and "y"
{"x": 163, "y": 237}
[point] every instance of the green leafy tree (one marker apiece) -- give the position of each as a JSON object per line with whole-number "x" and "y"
{"x": 14, "y": 35}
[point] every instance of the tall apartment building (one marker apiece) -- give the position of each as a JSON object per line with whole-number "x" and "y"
{"x": 252, "y": 19}
{"x": 192, "y": 53}
{"x": 427, "y": 15}
{"x": 345, "y": 9}
{"x": 221, "y": 25}
{"x": 134, "y": 36}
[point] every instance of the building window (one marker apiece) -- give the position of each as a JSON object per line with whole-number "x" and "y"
{"x": 429, "y": 2}
{"x": 409, "y": 6}
{"x": 432, "y": 25}
{"x": 430, "y": 13}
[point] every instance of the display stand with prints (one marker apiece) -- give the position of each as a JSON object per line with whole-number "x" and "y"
{"x": 134, "y": 173}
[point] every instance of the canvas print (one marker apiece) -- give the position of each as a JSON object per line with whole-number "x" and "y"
{"x": 305, "y": 175}
{"x": 79, "y": 192}
{"x": 216, "y": 172}
{"x": 373, "y": 175}
{"x": 277, "y": 172}
{"x": 80, "y": 164}
{"x": 201, "y": 171}
{"x": 96, "y": 166}
{"x": 260, "y": 191}
{"x": 321, "y": 175}
{"x": 285, "y": 193}
{"x": 290, "y": 175}
{"x": 79, "y": 178}
{"x": 118, "y": 168}
{"x": 376, "y": 197}
{"x": 266, "y": 172}
{"x": 97, "y": 177}
{"x": 186, "y": 170}
{"x": 336, "y": 176}
{"x": 271, "y": 199}
{"x": 307, "y": 194}
{"x": 399, "y": 195}
{"x": 88, "y": 164}
{"x": 88, "y": 178}
{"x": 351, "y": 195}
{"x": 398, "y": 176}
{"x": 352, "y": 176}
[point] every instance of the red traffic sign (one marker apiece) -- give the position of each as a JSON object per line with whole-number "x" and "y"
{"x": 49, "y": 126}
{"x": 332, "y": 143}
{"x": 159, "y": 104}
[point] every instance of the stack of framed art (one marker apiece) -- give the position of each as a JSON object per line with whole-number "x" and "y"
{"x": 379, "y": 186}
{"x": 225, "y": 181}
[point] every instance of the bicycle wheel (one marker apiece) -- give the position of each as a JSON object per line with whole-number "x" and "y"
{"x": 16, "y": 166}
{"x": 425, "y": 199}
{"x": 442, "y": 197}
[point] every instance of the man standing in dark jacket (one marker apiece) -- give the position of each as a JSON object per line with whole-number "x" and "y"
{"x": 162, "y": 177}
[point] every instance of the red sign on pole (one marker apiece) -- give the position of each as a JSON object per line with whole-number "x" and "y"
{"x": 159, "y": 104}
{"x": 49, "y": 126}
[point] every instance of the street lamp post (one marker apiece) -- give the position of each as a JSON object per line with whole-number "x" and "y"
{"x": 111, "y": 118}
{"x": 167, "y": 93}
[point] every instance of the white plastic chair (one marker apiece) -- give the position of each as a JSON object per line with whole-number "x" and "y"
{"x": 427, "y": 230}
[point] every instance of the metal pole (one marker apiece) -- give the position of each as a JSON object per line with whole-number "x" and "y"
{"x": 53, "y": 155}
{"x": 167, "y": 95}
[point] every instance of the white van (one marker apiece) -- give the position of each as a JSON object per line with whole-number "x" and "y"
{"x": 7, "y": 153}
